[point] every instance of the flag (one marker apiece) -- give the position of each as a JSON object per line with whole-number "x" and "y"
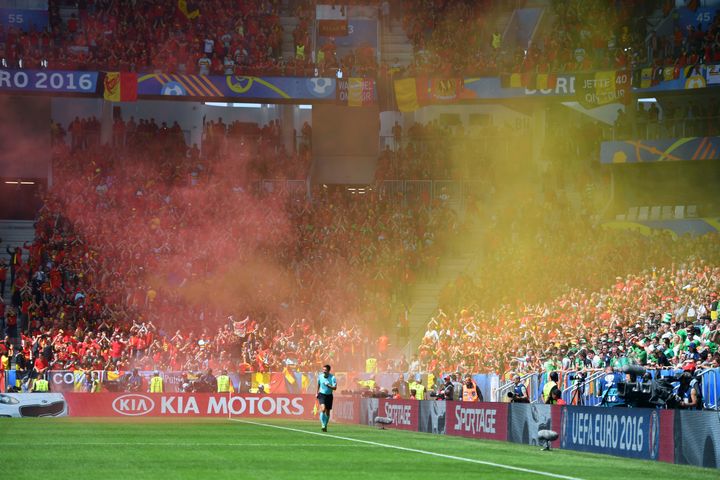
{"x": 602, "y": 88}
{"x": 406, "y": 94}
{"x": 545, "y": 81}
{"x": 646, "y": 77}
{"x": 668, "y": 73}
{"x": 260, "y": 378}
{"x": 277, "y": 383}
{"x": 120, "y": 86}
{"x": 191, "y": 11}
{"x": 361, "y": 92}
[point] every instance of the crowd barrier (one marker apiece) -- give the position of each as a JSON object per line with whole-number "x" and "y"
{"x": 683, "y": 437}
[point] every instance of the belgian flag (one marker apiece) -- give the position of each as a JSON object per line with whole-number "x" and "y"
{"x": 120, "y": 86}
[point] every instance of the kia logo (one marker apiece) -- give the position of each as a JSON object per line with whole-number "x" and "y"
{"x": 133, "y": 405}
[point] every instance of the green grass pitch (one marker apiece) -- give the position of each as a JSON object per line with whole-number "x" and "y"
{"x": 65, "y": 448}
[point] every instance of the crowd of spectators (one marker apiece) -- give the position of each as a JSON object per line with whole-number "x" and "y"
{"x": 461, "y": 38}
{"x": 147, "y": 35}
{"x": 582, "y": 293}
{"x": 143, "y": 258}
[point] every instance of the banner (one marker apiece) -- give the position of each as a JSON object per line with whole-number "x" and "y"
{"x": 404, "y": 413}
{"x": 355, "y": 92}
{"x": 346, "y": 410}
{"x": 688, "y": 149}
{"x": 697, "y": 438}
{"x": 526, "y": 420}
{"x": 633, "y": 433}
{"x": 360, "y": 33}
{"x": 233, "y": 86}
{"x": 477, "y": 420}
{"x": 432, "y": 416}
{"x": 24, "y": 19}
{"x": 332, "y": 20}
{"x": 602, "y": 88}
{"x": 189, "y": 405}
{"x": 17, "y": 405}
{"x": 51, "y": 81}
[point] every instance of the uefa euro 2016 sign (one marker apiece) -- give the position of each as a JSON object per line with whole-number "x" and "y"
{"x": 49, "y": 81}
{"x": 631, "y": 433}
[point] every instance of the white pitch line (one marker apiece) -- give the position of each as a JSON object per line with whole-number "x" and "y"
{"x": 145, "y": 444}
{"x": 413, "y": 450}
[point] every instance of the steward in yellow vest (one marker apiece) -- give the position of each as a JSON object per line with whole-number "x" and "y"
{"x": 156, "y": 383}
{"x": 40, "y": 385}
{"x": 549, "y": 387}
{"x": 224, "y": 384}
{"x": 371, "y": 365}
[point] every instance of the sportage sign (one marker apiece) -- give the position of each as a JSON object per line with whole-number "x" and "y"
{"x": 187, "y": 404}
{"x": 477, "y": 420}
{"x": 404, "y": 413}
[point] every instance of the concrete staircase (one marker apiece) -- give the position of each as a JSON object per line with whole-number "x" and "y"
{"x": 463, "y": 256}
{"x": 288, "y": 25}
{"x": 395, "y": 44}
{"x": 14, "y": 233}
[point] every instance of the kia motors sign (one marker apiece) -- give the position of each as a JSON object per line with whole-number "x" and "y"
{"x": 133, "y": 405}
{"x": 192, "y": 405}
{"x": 403, "y": 413}
{"x": 477, "y": 420}
{"x": 346, "y": 409}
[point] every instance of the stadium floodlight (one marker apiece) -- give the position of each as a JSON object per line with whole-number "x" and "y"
{"x": 647, "y": 100}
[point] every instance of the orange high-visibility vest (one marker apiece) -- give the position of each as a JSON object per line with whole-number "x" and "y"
{"x": 470, "y": 393}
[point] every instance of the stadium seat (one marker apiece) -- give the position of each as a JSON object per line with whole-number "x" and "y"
{"x": 632, "y": 214}
{"x": 655, "y": 212}
{"x": 643, "y": 213}
{"x": 679, "y": 212}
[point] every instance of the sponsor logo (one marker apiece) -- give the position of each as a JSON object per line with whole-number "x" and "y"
{"x": 133, "y": 405}
{"x": 265, "y": 406}
{"x": 321, "y": 86}
{"x": 400, "y": 414}
{"x": 344, "y": 410}
{"x": 475, "y": 420}
{"x": 654, "y": 434}
{"x": 174, "y": 89}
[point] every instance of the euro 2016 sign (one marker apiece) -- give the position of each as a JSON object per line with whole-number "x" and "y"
{"x": 631, "y": 433}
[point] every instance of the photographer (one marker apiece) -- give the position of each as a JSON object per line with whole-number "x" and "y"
{"x": 690, "y": 392}
{"x": 519, "y": 393}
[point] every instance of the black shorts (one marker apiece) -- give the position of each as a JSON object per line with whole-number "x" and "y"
{"x": 326, "y": 400}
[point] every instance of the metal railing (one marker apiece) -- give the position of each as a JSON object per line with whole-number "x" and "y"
{"x": 585, "y": 392}
{"x": 665, "y": 128}
{"x": 499, "y": 394}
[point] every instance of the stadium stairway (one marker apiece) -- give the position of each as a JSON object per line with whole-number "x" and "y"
{"x": 425, "y": 293}
{"x": 395, "y": 44}
{"x": 14, "y": 233}
{"x": 288, "y": 24}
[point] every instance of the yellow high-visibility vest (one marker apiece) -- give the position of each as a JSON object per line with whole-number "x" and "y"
{"x": 41, "y": 385}
{"x": 224, "y": 385}
{"x": 156, "y": 384}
